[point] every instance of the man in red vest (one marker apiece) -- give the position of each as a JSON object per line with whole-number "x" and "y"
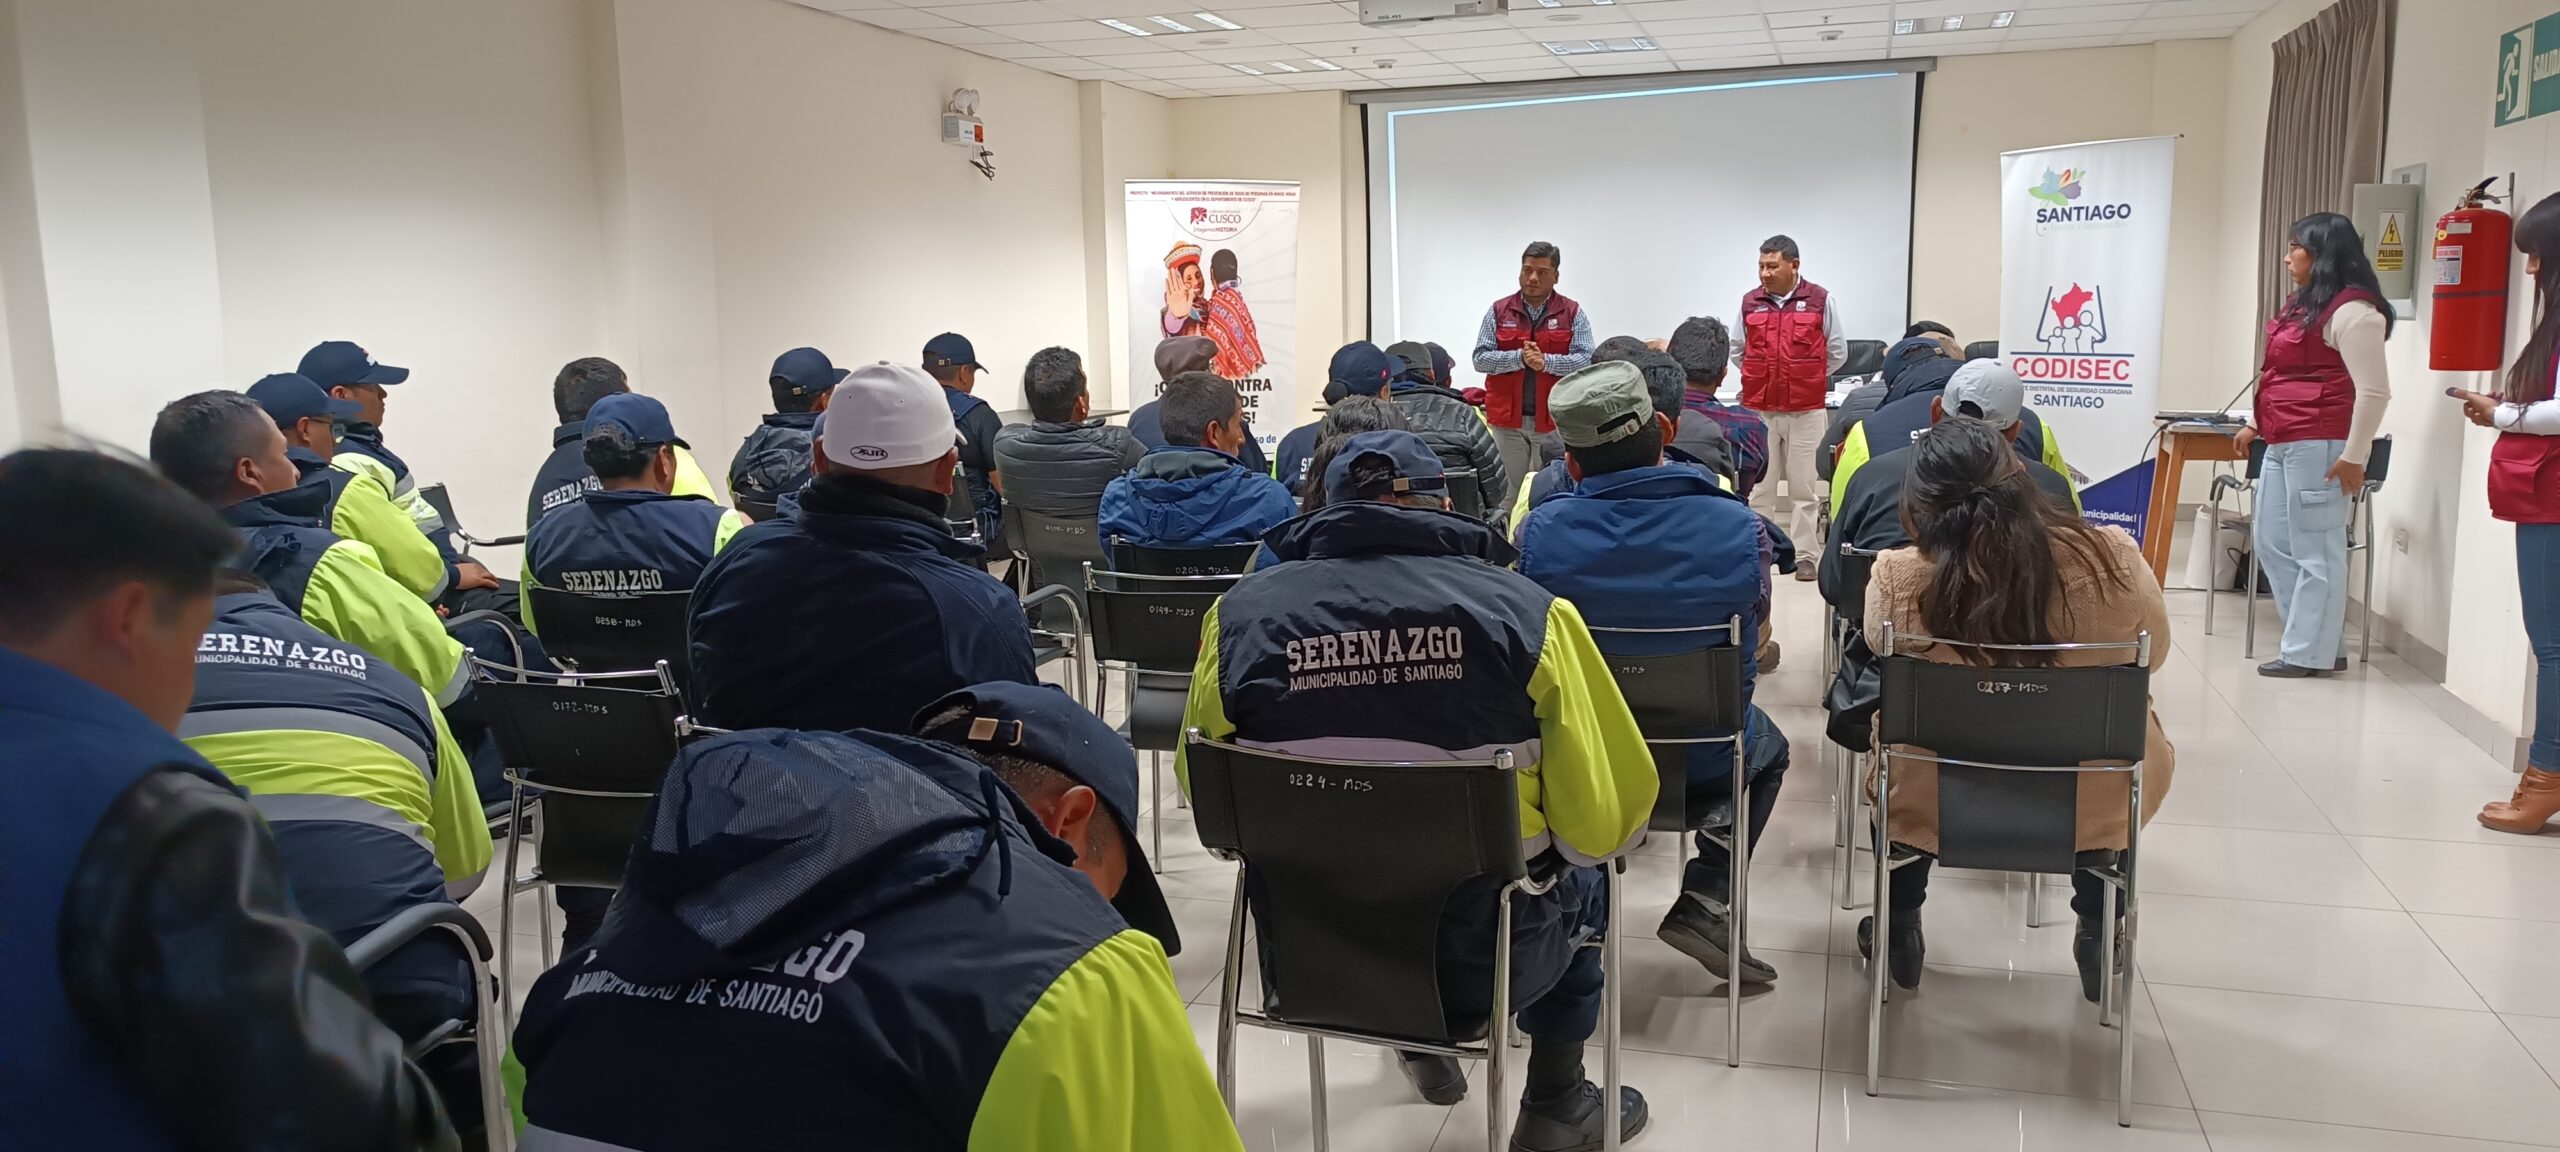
{"x": 1528, "y": 340}
{"x": 1791, "y": 343}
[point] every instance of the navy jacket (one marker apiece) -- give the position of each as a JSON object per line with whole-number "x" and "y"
{"x": 1296, "y": 451}
{"x": 628, "y": 540}
{"x": 779, "y": 447}
{"x": 1193, "y": 498}
{"x": 564, "y": 476}
{"x": 1147, "y": 424}
{"x": 854, "y": 609}
{"x": 978, "y": 422}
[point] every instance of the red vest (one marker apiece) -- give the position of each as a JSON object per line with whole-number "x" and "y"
{"x": 2524, "y": 478}
{"x": 1510, "y": 331}
{"x": 1786, "y": 355}
{"x": 2304, "y": 392}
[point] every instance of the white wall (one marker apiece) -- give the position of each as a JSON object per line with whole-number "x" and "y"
{"x": 1312, "y": 138}
{"x": 1128, "y": 135}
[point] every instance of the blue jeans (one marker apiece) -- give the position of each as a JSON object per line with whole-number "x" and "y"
{"x": 2538, "y": 577}
{"x": 2301, "y": 538}
{"x": 1764, "y": 752}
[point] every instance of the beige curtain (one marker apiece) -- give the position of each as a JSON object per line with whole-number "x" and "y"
{"x": 2324, "y": 126}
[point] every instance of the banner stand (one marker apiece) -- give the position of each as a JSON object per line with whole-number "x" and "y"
{"x": 1218, "y": 258}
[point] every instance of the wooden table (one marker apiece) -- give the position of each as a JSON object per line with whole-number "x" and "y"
{"x": 2180, "y": 444}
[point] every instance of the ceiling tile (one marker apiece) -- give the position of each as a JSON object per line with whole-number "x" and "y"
{"x": 1066, "y": 30}
{"x": 1808, "y": 33}
{"x": 1737, "y": 41}
{"x": 1925, "y": 9}
{"x": 904, "y": 19}
{"x": 2223, "y": 22}
{"x": 1248, "y": 54}
{"x": 962, "y": 37}
{"x": 1685, "y": 12}
{"x": 993, "y": 15}
{"x": 2063, "y": 44}
{"x": 2024, "y": 35}
{"x": 1518, "y": 49}
{"x": 1234, "y": 84}
{"x": 1346, "y": 50}
{"x": 1300, "y": 16}
{"x": 1096, "y": 74}
{"x": 1578, "y": 27}
{"x": 846, "y": 5}
{"x": 2172, "y": 8}
{"x": 1479, "y": 39}
{"x": 1514, "y": 69}
{"x": 1016, "y": 50}
{"x": 1711, "y": 59}
{"x": 1602, "y": 66}
{"x": 1833, "y": 57}
{"x": 1700, "y": 27}
{"x": 1968, "y": 48}
{"x": 1736, "y": 9}
{"x": 2078, "y": 14}
{"x": 2136, "y": 35}
{"x": 1832, "y": 16}
{"x": 1187, "y": 70}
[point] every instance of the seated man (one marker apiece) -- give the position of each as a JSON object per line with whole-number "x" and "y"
{"x": 774, "y": 459}
{"x": 1918, "y": 360}
{"x": 371, "y": 801}
{"x": 634, "y": 534}
{"x": 1639, "y": 542}
{"x": 1442, "y": 417}
{"x": 349, "y": 375}
{"x": 1518, "y": 671}
{"x": 563, "y": 477}
{"x": 1912, "y": 406}
{"x": 1174, "y": 357}
{"x": 857, "y": 606}
{"x": 990, "y": 998}
{"x": 163, "y": 993}
{"x": 1704, "y": 350}
{"x": 1194, "y": 492}
{"x": 1357, "y": 369}
{"x": 1058, "y": 464}
{"x": 355, "y": 504}
{"x": 1664, "y": 382}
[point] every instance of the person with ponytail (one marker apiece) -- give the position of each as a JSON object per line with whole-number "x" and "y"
{"x": 2322, "y": 388}
{"x": 1995, "y": 561}
{"x": 2524, "y": 490}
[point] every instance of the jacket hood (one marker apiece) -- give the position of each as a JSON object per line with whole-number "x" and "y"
{"x": 804, "y": 421}
{"x": 1375, "y": 528}
{"x": 616, "y": 497}
{"x": 1408, "y": 386}
{"x": 759, "y": 843}
{"x": 301, "y": 506}
{"x": 856, "y": 512}
{"x": 1927, "y": 375}
{"x": 1655, "y": 482}
{"x": 1178, "y": 493}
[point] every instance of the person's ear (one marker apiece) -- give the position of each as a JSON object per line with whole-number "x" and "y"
{"x": 1070, "y": 817}
{"x": 2011, "y": 432}
{"x": 820, "y": 404}
{"x": 244, "y": 473}
{"x": 1669, "y": 427}
{"x": 343, "y": 391}
{"x": 1937, "y": 409}
{"x": 663, "y": 469}
{"x": 121, "y": 619}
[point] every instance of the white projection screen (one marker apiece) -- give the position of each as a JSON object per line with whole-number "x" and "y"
{"x": 1659, "y": 197}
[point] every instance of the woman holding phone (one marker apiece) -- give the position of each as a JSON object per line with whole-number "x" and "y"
{"x": 2320, "y": 401}
{"x": 2524, "y": 490}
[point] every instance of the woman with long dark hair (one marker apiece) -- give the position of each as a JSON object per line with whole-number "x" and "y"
{"x": 2322, "y": 387}
{"x": 1995, "y": 561}
{"x": 2524, "y": 490}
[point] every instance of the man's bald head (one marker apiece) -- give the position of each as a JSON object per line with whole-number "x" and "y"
{"x": 1185, "y": 354}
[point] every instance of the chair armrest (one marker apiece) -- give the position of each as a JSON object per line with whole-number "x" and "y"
{"x": 498, "y": 542}
{"x": 2225, "y": 483}
{"x": 1060, "y": 593}
{"x": 515, "y": 643}
{"x": 413, "y": 923}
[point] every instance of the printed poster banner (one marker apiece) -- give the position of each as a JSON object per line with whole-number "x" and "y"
{"x": 1219, "y": 258}
{"x": 2084, "y": 272}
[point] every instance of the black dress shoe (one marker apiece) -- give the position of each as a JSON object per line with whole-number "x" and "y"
{"x": 1440, "y": 1079}
{"x": 1907, "y": 949}
{"x": 1573, "y": 1122}
{"x": 2085, "y": 952}
{"x": 2283, "y": 671}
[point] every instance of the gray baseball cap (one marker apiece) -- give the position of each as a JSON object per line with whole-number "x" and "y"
{"x": 1986, "y": 390}
{"x": 1602, "y": 404}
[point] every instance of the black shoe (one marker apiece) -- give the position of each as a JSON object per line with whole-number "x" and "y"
{"x": 2283, "y": 671}
{"x": 1440, "y": 1079}
{"x": 1908, "y": 948}
{"x": 2085, "y": 952}
{"x": 1701, "y": 930}
{"x": 2340, "y": 666}
{"x": 1572, "y": 1122}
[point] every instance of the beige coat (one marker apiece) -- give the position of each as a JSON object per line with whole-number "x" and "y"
{"x": 1894, "y": 594}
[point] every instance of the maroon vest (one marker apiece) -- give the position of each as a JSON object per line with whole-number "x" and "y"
{"x": 1786, "y": 355}
{"x": 2304, "y": 392}
{"x": 1503, "y": 394}
{"x": 2524, "y": 477}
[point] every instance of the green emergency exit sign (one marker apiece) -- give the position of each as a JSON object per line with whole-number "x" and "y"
{"x": 2529, "y": 71}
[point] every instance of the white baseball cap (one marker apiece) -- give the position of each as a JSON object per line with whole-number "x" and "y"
{"x": 887, "y": 415}
{"x": 1989, "y": 389}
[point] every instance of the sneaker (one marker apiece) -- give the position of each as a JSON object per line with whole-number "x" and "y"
{"x": 1805, "y": 572}
{"x": 1573, "y": 1122}
{"x": 1908, "y": 948}
{"x": 1702, "y": 931}
{"x": 2283, "y": 671}
{"x": 1440, "y": 1079}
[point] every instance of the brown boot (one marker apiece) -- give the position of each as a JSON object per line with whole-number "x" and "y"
{"x": 2536, "y": 800}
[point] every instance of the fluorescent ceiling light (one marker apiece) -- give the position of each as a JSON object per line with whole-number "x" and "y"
{"x": 1905, "y": 27}
{"x": 1593, "y": 47}
{"x": 1550, "y": 3}
{"x": 1217, "y": 20}
{"x": 1247, "y": 69}
{"x": 1283, "y": 65}
{"x": 1951, "y": 23}
{"x": 2002, "y": 19}
{"x": 1327, "y": 65}
{"x": 1125, "y": 26}
{"x": 1642, "y": 43}
{"x": 1172, "y": 23}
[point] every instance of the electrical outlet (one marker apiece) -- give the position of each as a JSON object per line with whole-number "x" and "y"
{"x": 2399, "y": 539}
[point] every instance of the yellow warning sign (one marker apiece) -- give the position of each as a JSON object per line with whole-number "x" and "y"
{"x": 2389, "y": 253}
{"x": 2390, "y": 227}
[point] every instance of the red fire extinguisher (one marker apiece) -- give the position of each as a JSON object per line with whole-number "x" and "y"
{"x": 2468, "y": 330}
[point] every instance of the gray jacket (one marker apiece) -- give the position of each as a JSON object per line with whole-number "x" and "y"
{"x": 1061, "y": 469}
{"x": 1455, "y": 431}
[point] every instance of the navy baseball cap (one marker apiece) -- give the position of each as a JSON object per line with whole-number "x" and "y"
{"x": 1042, "y": 724}
{"x": 1362, "y": 368}
{"x": 337, "y": 362}
{"x": 948, "y": 349}
{"x": 808, "y": 371}
{"x": 1413, "y": 466}
{"x": 288, "y": 398}
{"x": 639, "y": 417}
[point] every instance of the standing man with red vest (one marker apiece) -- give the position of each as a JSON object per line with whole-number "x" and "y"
{"x": 1791, "y": 343}
{"x": 1528, "y": 340}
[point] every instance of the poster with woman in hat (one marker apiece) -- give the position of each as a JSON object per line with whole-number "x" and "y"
{"x": 1184, "y": 302}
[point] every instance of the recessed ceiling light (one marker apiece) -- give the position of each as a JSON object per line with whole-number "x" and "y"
{"x": 1905, "y": 27}
{"x": 1247, "y": 69}
{"x": 1125, "y": 26}
{"x": 2002, "y": 19}
{"x": 1213, "y": 18}
{"x": 1283, "y": 65}
{"x": 1951, "y": 23}
{"x": 1558, "y": 49}
{"x": 1643, "y": 43}
{"x": 1327, "y": 65}
{"x": 1172, "y": 23}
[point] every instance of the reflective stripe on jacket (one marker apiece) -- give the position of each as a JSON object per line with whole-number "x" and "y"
{"x": 338, "y": 587}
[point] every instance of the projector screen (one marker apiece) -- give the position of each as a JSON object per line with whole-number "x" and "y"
{"x": 1659, "y": 198}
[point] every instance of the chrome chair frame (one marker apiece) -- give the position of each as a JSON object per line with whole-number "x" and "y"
{"x": 2359, "y": 539}
{"x": 1846, "y": 765}
{"x": 489, "y": 1025}
{"x": 1129, "y": 693}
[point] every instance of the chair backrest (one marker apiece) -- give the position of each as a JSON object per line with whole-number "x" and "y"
{"x": 2010, "y": 741}
{"x": 1148, "y": 621}
{"x": 1216, "y": 560}
{"x": 1679, "y": 698}
{"x": 1466, "y": 493}
{"x": 1982, "y": 350}
{"x": 611, "y": 733}
{"x": 1348, "y": 868}
{"x": 1856, "y": 566}
{"x": 440, "y": 499}
{"x": 1056, "y": 547}
{"x": 2378, "y": 464}
{"x": 614, "y": 633}
{"x": 1865, "y": 358}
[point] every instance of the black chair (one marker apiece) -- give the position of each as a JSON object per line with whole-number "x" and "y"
{"x": 1982, "y": 350}
{"x": 1148, "y": 626}
{"x": 1856, "y": 566}
{"x": 2359, "y": 539}
{"x": 1347, "y": 866}
{"x": 1215, "y": 560}
{"x": 442, "y": 501}
{"x": 1466, "y": 493}
{"x": 2010, "y": 745}
{"x": 593, "y": 747}
{"x": 1053, "y": 549}
{"x": 629, "y": 632}
{"x": 1676, "y": 698}
{"x": 485, "y": 1031}
{"x": 1865, "y": 358}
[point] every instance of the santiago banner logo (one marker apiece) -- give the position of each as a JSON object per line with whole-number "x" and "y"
{"x": 2057, "y": 198}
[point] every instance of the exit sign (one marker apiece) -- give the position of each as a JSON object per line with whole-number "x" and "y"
{"x": 2528, "y": 71}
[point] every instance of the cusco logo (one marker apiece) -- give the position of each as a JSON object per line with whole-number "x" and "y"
{"x": 1200, "y": 216}
{"x": 2059, "y": 196}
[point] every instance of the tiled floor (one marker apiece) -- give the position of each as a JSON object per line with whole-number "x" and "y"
{"x": 2334, "y": 957}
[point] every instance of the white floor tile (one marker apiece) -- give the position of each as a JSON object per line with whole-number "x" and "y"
{"x": 2509, "y": 962}
{"x": 2233, "y": 1133}
{"x": 1673, "y": 1006}
{"x": 1372, "y": 1107}
{"x": 2250, "y": 864}
{"x": 2429, "y": 1070}
{"x": 2419, "y": 808}
{"x": 2207, "y": 791}
{"x": 2023, "y": 1031}
{"x": 2498, "y": 881}
{"x": 1917, "y": 1116}
{"x": 2540, "y": 1035}
{"x": 2370, "y": 954}
{"x": 1692, "y": 1103}
{"x": 2344, "y": 749}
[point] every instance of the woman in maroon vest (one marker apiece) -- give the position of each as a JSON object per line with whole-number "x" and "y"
{"x": 2320, "y": 399}
{"x": 2524, "y": 489}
